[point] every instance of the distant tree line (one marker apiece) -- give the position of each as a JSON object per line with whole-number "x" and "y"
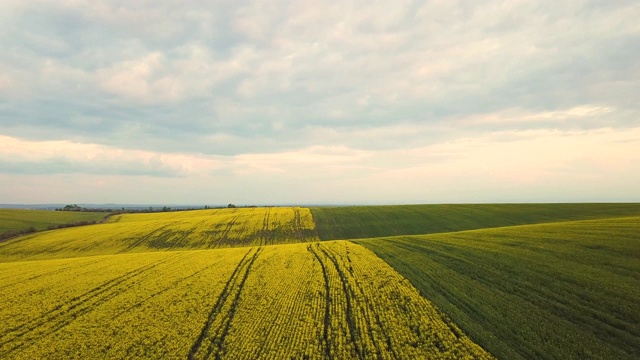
{"x": 150, "y": 209}
{"x": 75, "y": 207}
{"x": 123, "y": 210}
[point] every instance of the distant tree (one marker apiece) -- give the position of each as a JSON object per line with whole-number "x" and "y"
{"x": 73, "y": 207}
{"x": 231, "y": 206}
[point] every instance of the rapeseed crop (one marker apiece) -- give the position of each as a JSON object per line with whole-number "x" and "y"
{"x": 202, "y": 229}
{"x": 333, "y": 300}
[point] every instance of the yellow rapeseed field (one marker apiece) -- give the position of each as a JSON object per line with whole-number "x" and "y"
{"x": 182, "y": 230}
{"x": 332, "y": 300}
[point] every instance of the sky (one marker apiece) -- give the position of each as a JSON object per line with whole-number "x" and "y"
{"x": 315, "y": 102}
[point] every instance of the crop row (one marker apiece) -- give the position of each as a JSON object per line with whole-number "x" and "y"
{"x": 552, "y": 291}
{"x": 330, "y": 300}
{"x": 203, "y": 229}
{"x": 353, "y": 222}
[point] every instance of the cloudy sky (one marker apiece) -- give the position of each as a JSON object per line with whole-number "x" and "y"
{"x": 315, "y": 102}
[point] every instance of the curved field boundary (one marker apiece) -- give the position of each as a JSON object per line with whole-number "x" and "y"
{"x": 184, "y": 230}
{"x": 549, "y": 291}
{"x": 356, "y": 222}
{"x": 19, "y": 219}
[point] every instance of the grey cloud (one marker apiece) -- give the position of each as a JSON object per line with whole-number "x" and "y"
{"x": 260, "y": 79}
{"x": 96, "y": 167}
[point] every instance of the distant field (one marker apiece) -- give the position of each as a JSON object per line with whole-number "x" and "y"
{"x": 18, "y": 219}
{"x": 353, "y": 222}
{"x": 552, "y": 291}
{"x": 329, "y": 300}
{"x": 183, "y": 230}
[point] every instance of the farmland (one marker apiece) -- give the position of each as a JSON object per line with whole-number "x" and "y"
{"x": 564, "y": 290}
{"x": 540, "y": 281}
{"x": 221, "y": 228}
{"x": 14, "y": 219}
{"x": 353, "y": 222}
{"x": 330, "y": 300}
{"x": 202, "y": 229}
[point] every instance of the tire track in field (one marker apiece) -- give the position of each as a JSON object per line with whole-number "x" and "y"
{"x": 167, "y": 287}
{"x": 62, "y": 269}
{"x": 62, "y": 315}
{"x": 243, "y": 238}
{"x": 297, "y": 220}
{"x": 139, "y": 241}
{"x": 229, "y": 296}
{"x": 232, "y": 312}
{"x": 297, "y": 232}
{"x": 79, "y": 300}
{"x": 224, "y": 237}
{"x": 96, "y": 269}
{"x": 184, "y": 236}
{"x": 171, "y": 239}
{"x": 327, "y": 308}
{"x": 354, "y": 332}
{"x": 372, "y": 310}
{"x": 265, "y": 226}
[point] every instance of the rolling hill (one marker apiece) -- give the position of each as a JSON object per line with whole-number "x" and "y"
{"x": 354, "y": 222}
{"x": 564, "y": 290}
{"x": 541, "y": 281}
{"x": 19, "y": 219}
{"x": 182, "y": 230}
{"x": 333, "y": 300}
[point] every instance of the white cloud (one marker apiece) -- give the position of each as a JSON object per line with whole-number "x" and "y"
{"x": 71, "y": 157}
{"x": 522, "y": 116}
{"x": 6, "y": 83}
{"x": 141, "y": 79}
{"x": 321, "y": 96}
{"x": 504, "y": 166}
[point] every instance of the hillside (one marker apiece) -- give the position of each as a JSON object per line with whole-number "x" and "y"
{"x": 330, "y": 300}
{"x": 353, "y": 222}
{"x": 182, "y": 230}
{"x": 551, "y": 291}
{"x": 555, "y": 289}
{"x": 220, "y": 228}
{"x": 18, "y": 219}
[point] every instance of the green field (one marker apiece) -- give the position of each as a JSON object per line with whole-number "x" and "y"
{"x": 18, "y": 219}
{"x": 565, "y": 290}
{"x": 354, "y": 222}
